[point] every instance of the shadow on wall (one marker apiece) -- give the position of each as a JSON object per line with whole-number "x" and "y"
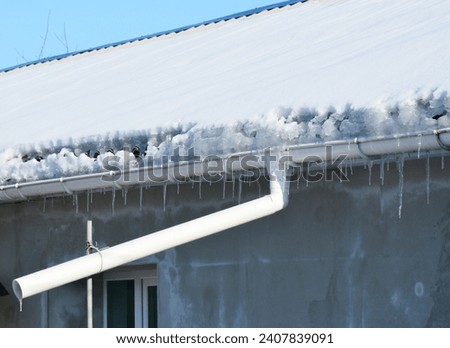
{"x": 3, "y": 291}
{"x": 440, "y": 312}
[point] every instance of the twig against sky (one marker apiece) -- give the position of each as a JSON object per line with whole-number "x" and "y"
{"x": 45, "y": 36}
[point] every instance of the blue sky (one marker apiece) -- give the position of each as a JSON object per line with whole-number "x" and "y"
{"x": 76, "y": 25}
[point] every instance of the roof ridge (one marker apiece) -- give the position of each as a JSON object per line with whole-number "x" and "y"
{"x": 237, "y": 15}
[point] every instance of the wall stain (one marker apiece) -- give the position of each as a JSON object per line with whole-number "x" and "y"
{"x": 440, "y": 312}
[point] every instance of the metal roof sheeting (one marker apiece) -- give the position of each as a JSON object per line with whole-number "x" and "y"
{"x": 162, "y": 33}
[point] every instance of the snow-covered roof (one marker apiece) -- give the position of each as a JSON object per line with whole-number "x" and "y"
{"x": 312, "y": 71}
{"x": 246, "y": 13}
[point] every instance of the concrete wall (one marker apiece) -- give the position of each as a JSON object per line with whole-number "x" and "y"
{"x": 338, "y": 256}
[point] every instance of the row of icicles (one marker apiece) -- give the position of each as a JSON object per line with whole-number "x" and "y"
{"x": 384, "y": 164}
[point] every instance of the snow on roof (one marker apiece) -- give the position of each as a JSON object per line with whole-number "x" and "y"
{"x": 166, "y": 32}
{"x": 311, "y": 72}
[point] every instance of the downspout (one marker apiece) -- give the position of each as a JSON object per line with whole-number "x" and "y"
{"x": 89, "y": 300}
{"x": 153, "y": 243}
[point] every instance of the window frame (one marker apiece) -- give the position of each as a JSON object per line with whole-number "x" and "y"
{"x": 142, "y": 276}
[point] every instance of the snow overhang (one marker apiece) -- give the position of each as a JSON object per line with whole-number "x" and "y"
{"x": 316, "y": 156}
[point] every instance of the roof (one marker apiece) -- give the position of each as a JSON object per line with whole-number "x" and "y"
{"x": 309, "y": 72}
{"x": 161, "y": 33}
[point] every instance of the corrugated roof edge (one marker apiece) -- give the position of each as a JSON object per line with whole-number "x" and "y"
{"x": 145, "y": 37}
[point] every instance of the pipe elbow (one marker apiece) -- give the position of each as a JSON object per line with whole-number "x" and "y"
{"x": 279, "y": 189}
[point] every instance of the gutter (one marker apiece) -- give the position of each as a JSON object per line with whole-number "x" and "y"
{"x": 153, "y": 243}
{"x": 360, "y": 150}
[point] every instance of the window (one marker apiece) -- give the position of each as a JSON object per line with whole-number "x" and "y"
{"x": 130, "y": 298}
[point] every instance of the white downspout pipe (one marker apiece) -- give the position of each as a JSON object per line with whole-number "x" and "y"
{"x": 153, "y": 243}
{"x": 89, "y": 300}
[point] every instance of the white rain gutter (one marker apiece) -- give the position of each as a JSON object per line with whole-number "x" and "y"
{"x": 138, "y": 248}
{"x": 359, "y": 149}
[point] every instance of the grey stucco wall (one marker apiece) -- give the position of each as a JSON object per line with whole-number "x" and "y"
{"x": 338, "y": 256}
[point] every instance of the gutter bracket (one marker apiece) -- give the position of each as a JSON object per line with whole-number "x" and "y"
{"x": 6, "y": 193}
{"x": 20, "y": 193}
{"x": 361, "y": 152}
{"x": 61, "y": 180}
{"x": 440, "y": 142}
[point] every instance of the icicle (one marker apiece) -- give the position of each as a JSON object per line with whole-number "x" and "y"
{"x": 298, "y": 180}
{"x": 370, "y": 172}
{"x": 382, "y": 171}
{"x": 87, "y": 201}
{"x": 20, "y": 305}
{"x": 400, "y": 164}
{"x": 92, "y": 197}
{"x": 164, "y": 195}
{"x": 178, "y": 187}
{"x": 351, "y": 166}
{"x": 307, "y": 176}
{"x": 140, "y": 197}
{"x": 75, "y": 202}
{"x": 125, "y": 194}
{"x": 427, "y": 170}
{"x": 388, "y": 165}
{"x": 240, "y": 192}
{"x": 113, "y": 201}
{"x": 259, "y": 188}
{"x": 200, "y": 189}
{"x": 44, "y": 207}
{"x": 442, "y": 161}
{"x": 419, "y": 146}
{"x": 224, "y": 185}
{"x": 233, "y": 181}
